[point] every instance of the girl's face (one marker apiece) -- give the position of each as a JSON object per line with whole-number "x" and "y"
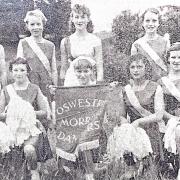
{"x": 174, "y": 60}
{"x": 80, "y": 20}
{"x": 137, "y": 69}
{"x": 35, "y": 26}
{"x": 151, "y": 22}
{"x": 19, "y": 72}
{"x": 83, "y": 75}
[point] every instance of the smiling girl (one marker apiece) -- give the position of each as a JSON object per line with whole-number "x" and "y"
{"x": 152, "y": 45}
{"x": 39, "y": 52}
{"x": 81, "y": 43}
{"x": 82, "y": 69}
{"x": 171, "y": 90}
{"x": 26, "y": 107}
{"x": 143, "y": 100}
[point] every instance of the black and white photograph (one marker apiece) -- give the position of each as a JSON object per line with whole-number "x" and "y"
{"x": 89, "y": 90}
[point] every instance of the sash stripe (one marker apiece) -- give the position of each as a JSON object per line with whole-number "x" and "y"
{"x": 171, "y": 87}
{"x": 154, "y": 56}
{"x": 39, "y": 53}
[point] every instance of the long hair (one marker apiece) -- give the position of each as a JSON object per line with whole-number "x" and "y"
{"x": 77, "y": 8}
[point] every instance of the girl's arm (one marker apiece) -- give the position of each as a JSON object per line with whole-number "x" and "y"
{"x": 99, "y": 61}
{"x": 158, "y": 106}
{"x": 42, "y": 105}
{"x": 3, "y": 67}
{"x": 114, "y": 111}
{"x": 133, "y": 50}
{"x": 20, "y": 50}
{"x": 64, "y": 61}
{"x": 54, "y": 68}
{"x": 2, "y": 106}
{"x": 167, "y": 115}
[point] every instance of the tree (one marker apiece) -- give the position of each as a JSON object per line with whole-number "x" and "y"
{"x": 126, "y": 29}
{"x": 171, "y": 23}
{"x": 12, "y": 13}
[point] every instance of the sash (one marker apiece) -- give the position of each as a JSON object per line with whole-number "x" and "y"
{"x": 40, "y": 54}
{"x": 135, "y": 102}
{"x": 153, "y": 55}
{"x": 171, "y": 87}
{"x": 12, "y": 93}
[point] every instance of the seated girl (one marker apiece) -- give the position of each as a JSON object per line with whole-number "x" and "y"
{"x": 143, "y": 104}
{"x": 171, "y": 90}
{"x": 82, "y": 74}
{"x": 82, "y": 70}
{"x": 22, "y": 105}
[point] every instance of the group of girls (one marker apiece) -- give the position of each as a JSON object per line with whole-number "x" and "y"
{"x": 26, "y": 105}
{"x": 147, "y": 108}
{"x": 151, "y": 103}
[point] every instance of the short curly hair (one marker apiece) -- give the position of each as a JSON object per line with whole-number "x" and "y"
{"x": 137, "y": 57}
{"x": 152, "y": 10}
{"x": 77, "y": 8}
{"x": 17, "y": 61}
{"x": 36, "y": 13}
{"x": 174, "y": 47}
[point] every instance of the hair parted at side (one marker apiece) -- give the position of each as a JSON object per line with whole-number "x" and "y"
{"x": 174, "y": 47}
{"x": 36, "y": 13}
{"x": 83, "y": 62}
{"x": 137, "y": 57}
{"x": 152, "y": 10}
{"x": 17, "y": 61}
{"x": 78, "y": 8}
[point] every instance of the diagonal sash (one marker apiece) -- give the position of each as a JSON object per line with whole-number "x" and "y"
{"x": 135, "y": 102}
{"x": 11, "y": 91}
{"x": 40, "y": 54}
{"x": 171, "y": 87}
{"x": 154, "y": 56}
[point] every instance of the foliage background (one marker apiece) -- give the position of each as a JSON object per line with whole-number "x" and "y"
{"x": 126, "y": 28}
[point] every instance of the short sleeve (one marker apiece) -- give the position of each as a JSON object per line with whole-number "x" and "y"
{"x": 20, "y": 50}
{"x": 41, "y": 100}
{"x": 2, "y": 54}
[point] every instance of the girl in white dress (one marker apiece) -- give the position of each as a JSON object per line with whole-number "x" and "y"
{"x": 81, "y": 43}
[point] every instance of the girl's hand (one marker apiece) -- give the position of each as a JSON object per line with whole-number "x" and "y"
{"x": 3, "y": 116}
{"x": 52, "y": 89}
{"x": 136, "y": 123}
{"x": 114, "y": 84}
{"x": 106, "y": 159}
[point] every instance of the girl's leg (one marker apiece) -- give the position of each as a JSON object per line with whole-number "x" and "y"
{"x": 177, "y": 135}
{"x": 31, "y": 157}
{"x": 89, "y": 165}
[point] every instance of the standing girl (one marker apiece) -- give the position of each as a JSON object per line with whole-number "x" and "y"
{"x": 39, "y": 52}
{"x": 152, "y": 45}
{"x": 81, "y": 43}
